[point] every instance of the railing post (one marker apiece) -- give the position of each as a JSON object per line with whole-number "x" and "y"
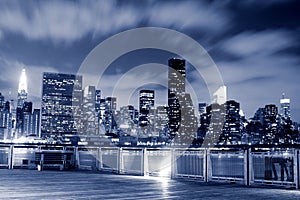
{"x": 205, "y": 165}
{"x": 41, "y": 161}
{"x": 11, "y": 157}
{"x": 120, "y": 160}
{"x": 209, "y": 165}
{"x": 145, "y": 162}
{"x": 97, "y": 158}
{"x": 247, "y": 166}
{"x": 297, "y": 168}
{"x": 173, "y": 163}
{"x": 77, "y": 158}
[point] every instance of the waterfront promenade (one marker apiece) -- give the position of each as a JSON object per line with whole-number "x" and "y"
{"x": 33, "y": 184}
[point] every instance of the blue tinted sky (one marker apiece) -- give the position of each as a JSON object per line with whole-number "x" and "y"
{"x": 255, "y": 44}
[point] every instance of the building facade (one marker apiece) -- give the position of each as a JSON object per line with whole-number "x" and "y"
{"x": 61, "y": 104}
{"x": 182, "y": 123}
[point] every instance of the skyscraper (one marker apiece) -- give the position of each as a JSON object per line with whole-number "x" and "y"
{"x": 97, "y": 101}
{"x": 145, "y": 105}
{"x": 22, "y": 89}
{"x": 61, "y": 104}
{"x": 232, "y": 125}
{"x": 5, "y": 119}
{"x": 176, "y": 91}
{"x": 285, "y": 109}
{"x": 89, "y": 111}
{"x": 182, "y": 121}
{"x": 108, "y": 108}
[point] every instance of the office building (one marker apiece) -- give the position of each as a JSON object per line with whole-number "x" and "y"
{"x": 61, "y": 104}
{"x": 182, "y": 123}
{"x": 22, "y": 89}
{"x": 89, "y": 111}
{"x": 146, "y": 103}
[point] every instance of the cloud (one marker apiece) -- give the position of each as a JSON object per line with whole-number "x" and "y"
{"x": 263, "y": 43}
{"x": 189, "y": 15}
{"x": 64, "y": 20}
{"x": 69, "y": 21}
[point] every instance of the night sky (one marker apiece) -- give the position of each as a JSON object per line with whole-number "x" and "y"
{"x": 255, "y": 44}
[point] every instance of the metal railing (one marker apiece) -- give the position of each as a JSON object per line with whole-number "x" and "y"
{"x": 247, "y": 166}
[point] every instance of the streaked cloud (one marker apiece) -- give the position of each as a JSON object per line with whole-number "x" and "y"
{"x": 252, "y": 43}
{"x": 68, "y": 21}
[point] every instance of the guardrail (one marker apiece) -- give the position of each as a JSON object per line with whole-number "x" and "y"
{"x": 248, "y": 166}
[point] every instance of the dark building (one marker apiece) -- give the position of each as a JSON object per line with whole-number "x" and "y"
{"x": 232, "y": 125}
{"x": 182, "y": 120}
{"x": 270, "y": 123}
{"x": 107, "y": 114}
{"x": 161, "y": 120}
{"x": 61, "y": 104}
{"x": 5, "y": 119}
{"x": 1, "y": 101}
{"x": 36, "y": 124}
{"x": 176, "y": 91}
{"x": 146, "y": 103}
{"x": 97, "y": 100}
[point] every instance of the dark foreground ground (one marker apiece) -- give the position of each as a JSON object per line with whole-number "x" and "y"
{"x": 33, "y": 184}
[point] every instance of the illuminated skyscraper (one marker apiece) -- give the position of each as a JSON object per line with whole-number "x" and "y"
{"x": 182, "y": 121}
{"x": 22, "y": 89}
{"x": 146, "y": 104}
{"x": 285, "y": 109}
{"x": 176, "y": 91}
{"x": 89, "y": 111}
{"x": 61, "y": 104}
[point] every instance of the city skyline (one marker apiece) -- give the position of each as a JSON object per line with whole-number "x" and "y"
{"x": 255, "y": 69}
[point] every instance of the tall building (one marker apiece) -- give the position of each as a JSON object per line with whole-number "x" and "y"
{"x": 270, "y": 123}
{"x": 1, "y": 101}
{"x": 146, "y": 103}
{"x": 126, "y": 119}
{"x": 161, "y": 121}
{"x": 5, "y": 119}
{"x": 61, "y": 104}
{"x": 182, "y": 121}
{"x": 176, "y": 91}
{"x": 21, "y": 99}
{"x": 97, "y": 101}
{"x": 36, "y": 124}
{"x": 89, "y": 111}
{"x": 107, "y": 121}
{"x": 22, "y": 89}
{"x": 233, "y": 125}
{"x": 215, "y": 118}
{"x": 285, "y": 109}
{"x": 112, "y": 103}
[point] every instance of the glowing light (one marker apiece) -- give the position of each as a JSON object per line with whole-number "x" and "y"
{"x": 165, "y": 172}
{"x": 23, "y": 82}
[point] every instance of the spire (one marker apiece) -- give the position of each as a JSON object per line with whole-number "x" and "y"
{"x": 23, "y": 82}
{"x": 22, "y": 90}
